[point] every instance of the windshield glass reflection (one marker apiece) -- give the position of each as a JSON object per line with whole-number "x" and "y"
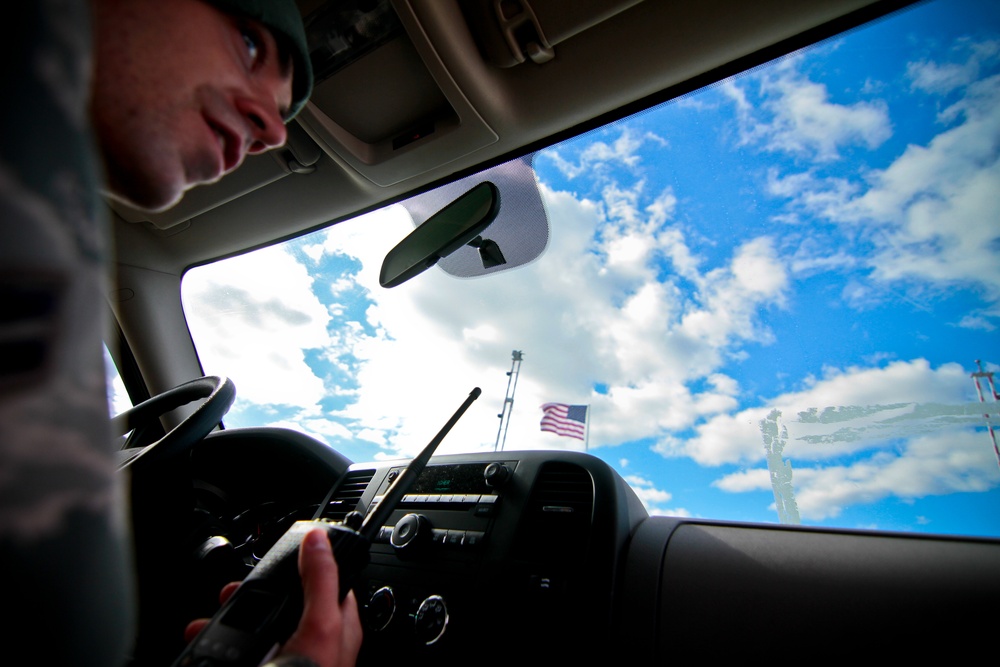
{"x": 775, "y": 299}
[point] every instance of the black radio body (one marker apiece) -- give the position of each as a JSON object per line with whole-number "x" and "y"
{"x": 484, "y": 543}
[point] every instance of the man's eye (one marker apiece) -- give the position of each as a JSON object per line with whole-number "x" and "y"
{"x": 252, "y": 44}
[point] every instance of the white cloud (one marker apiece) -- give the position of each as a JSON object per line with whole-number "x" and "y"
{"x": 647, "y": 491}
{"x": 653, "y": 499}
{"x": 976, "y": 322}
{"x": 931, "y": 215}
{"x": 798, "y": 117}
{"x": 936, "y": 464}
{"x": 597, "y": 156}
{"x": 939, "y": 203}
{"x": 941, "y": 78}
{"x": 733, "y": 295}
{"x": 735, "y": 438}
{"x": 593, "y": 311}
{"x": 253, "y": 318}
{"x": 813, "y": 256}
{"x": 929, "y": 440}
{"x": 934, "y": 78}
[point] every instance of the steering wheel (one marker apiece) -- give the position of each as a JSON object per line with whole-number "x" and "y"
{"x": 219, "y": 394}
{"x": 161, "y": 505}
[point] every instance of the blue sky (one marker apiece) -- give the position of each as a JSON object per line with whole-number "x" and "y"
{"x": 819, "y": 237}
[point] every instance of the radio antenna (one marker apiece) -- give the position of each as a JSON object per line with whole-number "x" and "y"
{"x": 402, "y": 485}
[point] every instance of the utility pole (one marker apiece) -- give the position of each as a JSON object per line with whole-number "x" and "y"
{"x": 980, "y": 374}
{"x": 508, "y": 401}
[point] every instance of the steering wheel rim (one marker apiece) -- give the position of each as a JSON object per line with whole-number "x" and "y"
{"x": 219, "y": 393}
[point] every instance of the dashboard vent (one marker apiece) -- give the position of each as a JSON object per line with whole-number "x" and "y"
{"x": 557, "y": 526}
{"x": 563, "y": 488}
{"x": 348, "y": 494}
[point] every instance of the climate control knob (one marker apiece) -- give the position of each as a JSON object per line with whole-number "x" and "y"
{"x": 431, "y": 619}
{"x": 381, "y": 608}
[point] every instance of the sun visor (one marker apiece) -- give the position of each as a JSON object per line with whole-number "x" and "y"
{"x": 520, "y": 231}
{"x": 511, "y": 32}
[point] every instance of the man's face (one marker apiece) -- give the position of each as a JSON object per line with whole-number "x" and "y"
{"x": 182, "y": 92}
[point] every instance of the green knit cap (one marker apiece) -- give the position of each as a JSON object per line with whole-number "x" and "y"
{"x": 282, "y": 17}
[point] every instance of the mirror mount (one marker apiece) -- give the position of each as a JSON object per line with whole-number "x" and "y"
{"x": 489, "y": 252}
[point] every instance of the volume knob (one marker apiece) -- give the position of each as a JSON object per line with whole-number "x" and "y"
{"x": 496, "y": 475}
{"x": 410, "y": 531}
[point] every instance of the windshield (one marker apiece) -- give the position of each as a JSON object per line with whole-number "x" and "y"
{"x": 775, "y": 299}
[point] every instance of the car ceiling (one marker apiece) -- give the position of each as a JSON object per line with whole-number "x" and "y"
{"x": 451, "y": 78}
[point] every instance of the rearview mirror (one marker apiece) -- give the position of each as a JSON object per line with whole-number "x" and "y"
{"x": 443, "y": 233}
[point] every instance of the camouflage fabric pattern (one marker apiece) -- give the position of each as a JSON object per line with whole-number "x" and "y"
{"x": 62, "y": 526}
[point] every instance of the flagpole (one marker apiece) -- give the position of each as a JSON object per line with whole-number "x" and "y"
{"x": 586, "y": 431}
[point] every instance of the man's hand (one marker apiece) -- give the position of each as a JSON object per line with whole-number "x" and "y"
{"x": 329, "y": 632}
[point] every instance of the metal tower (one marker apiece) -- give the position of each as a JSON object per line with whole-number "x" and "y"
{"x": 508, "y": 402}
{"x": 988, "y": 376}
{"x": 775, "y": 438}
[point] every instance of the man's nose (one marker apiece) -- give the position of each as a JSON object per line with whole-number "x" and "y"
{"x": 266, "y": 125}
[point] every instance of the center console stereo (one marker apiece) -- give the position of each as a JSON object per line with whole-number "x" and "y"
{"x": 482, "y": 544}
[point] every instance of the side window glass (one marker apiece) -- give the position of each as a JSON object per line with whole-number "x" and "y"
{"x": 118, "y": 399}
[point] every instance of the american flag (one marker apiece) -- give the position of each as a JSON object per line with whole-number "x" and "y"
{"x": 562, "y": 419}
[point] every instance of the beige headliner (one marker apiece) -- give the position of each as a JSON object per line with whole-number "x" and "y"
{"x": 646, "y": 48}
{"x": 481, "y": 113}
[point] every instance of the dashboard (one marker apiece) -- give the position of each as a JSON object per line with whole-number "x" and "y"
{"x": 542, "y": 556}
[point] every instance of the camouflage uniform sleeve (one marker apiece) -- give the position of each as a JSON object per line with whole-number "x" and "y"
{"x": 63, "y": 534}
